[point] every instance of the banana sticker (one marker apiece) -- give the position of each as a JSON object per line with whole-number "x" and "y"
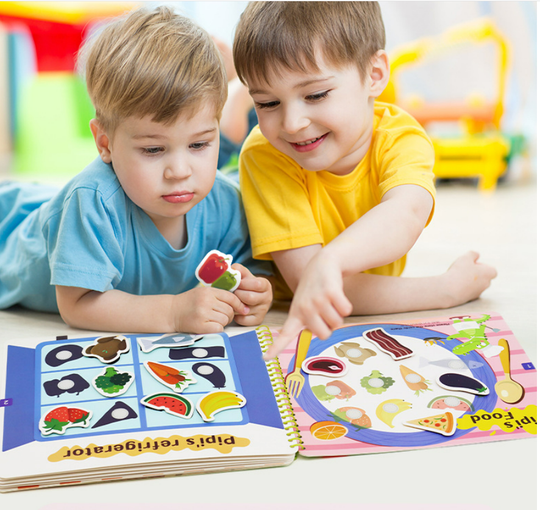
{"x": 217, "y": 401}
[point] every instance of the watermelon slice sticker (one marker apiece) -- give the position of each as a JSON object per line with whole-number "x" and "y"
{"x": 171, "y": 403}
{"x": 451, "y": 402}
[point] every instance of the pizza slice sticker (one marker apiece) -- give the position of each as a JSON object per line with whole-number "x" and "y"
{"x": 444, "y": 424}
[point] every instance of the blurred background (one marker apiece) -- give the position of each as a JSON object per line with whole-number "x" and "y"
{"x": 465, "y": 70}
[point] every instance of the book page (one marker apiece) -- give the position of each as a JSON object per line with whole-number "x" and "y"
{"x": 128, "y": 400}
{"x": 415, "y": 384}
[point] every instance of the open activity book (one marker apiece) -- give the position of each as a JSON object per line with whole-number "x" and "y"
{"x": 126, "y": 406}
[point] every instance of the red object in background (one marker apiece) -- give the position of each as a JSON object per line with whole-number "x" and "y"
{"x": 56, "y": 43}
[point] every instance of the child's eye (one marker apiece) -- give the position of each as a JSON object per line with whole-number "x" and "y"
{"x": 318, "y": 97}
{"x": 199, "y": 145}
{"x": 152, "y": 150}
{"x": 270, "y": 104}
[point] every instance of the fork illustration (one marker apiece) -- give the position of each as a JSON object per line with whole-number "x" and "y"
{"x": 295, "y": 379}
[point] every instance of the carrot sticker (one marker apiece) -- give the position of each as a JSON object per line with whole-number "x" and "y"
{"x": 177, "y": 380}
{"x": 414, "y": 381}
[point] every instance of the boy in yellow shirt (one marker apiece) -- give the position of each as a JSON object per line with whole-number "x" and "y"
{"x": 337, "y": 187}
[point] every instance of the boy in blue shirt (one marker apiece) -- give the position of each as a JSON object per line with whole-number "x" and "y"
{"x": 117, "y": 248}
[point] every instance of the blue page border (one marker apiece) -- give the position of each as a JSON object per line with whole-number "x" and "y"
{"x": 255, "y": 381}
{"x": 19, "y": 417}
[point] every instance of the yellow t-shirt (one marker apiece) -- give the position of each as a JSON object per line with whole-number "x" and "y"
{"x": 288, "y": 207}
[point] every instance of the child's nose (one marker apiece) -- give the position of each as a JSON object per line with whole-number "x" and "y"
{"x": 294, "y": 120}
{"x": 177, "y": 170}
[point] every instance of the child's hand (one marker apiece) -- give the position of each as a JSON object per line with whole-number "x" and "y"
{"x": 319, "y": 304}
{"x": 206, "y": 310}
{"x": 256, "y": 294}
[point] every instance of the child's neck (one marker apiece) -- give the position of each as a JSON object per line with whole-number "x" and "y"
{"x": 174, "y": 231}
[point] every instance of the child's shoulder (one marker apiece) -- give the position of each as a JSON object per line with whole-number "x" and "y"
{"x": 225, "y": 193}
{"x": 97, "y": 176}
{"x": 393, "y": 127}
{"x": 258, "y": 153}
{"x": 391, "y": 117}
{"x": 225, "y": 187}
{"x": 97, "y": 180}
{"x": 255, "y": 141}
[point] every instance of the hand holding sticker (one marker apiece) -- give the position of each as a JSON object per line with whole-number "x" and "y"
{"x": 215, "y": 271}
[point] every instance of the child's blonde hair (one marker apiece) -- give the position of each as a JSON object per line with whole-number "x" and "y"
{"x": 287, "y": 35}
{"x": 155, "y": 63}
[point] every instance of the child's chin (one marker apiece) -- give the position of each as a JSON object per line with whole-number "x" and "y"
{"x": 311, "y": 166}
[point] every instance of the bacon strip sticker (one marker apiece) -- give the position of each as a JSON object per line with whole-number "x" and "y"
{"x": 387, "y": 344}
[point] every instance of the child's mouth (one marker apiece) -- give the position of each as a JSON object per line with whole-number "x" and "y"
{"x": 178, "y": 198}
{"x": 308, "y": 145}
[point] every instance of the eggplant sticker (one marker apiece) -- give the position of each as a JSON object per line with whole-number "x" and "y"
{"x": 460, "y": 382}
{"x": 211, "y": 373}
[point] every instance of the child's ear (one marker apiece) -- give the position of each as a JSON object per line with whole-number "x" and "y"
{"x": 103, "y": 143}
{"x": 379, "y": 73}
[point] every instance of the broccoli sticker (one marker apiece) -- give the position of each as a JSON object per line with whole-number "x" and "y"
{"x": 112, "y": 383}
{"x": 375, "y": 383}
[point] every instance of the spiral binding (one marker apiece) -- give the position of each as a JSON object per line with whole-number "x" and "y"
{"x": 280, "y": 390}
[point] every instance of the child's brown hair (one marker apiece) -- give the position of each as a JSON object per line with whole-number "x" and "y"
{"x": 287, "y": 35}
{"x": 155, "y": 63}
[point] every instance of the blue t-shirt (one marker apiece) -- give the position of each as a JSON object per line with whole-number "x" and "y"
{"x": 91, "y": 235}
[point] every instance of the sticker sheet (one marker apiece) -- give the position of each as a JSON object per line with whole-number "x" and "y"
{"x": 110, "y": 384}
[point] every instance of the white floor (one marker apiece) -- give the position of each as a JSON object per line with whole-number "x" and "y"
{"x": 491, "y": 476}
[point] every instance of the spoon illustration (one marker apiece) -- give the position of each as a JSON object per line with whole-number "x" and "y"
{"x": 509, "y": 391}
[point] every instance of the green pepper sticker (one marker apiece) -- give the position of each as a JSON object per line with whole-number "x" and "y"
{"x": 227, "y": 281}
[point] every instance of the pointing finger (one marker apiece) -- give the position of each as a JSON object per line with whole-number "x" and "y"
{"x": 290, "y": 331}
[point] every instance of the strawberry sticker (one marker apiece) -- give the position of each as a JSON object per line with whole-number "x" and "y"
{"x": 215, "y": 271}
{"x": 61, "y": 418}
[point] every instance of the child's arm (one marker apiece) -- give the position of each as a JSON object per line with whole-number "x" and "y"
{"x": 200, "y": 310}
{"x": 323, "y": 278}
{"x": 256, "y": 293}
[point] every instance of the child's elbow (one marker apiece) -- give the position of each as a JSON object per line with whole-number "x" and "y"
{"x": 68, "y": 300}
{"x": 419, "y": 213}
{"x": 68, "y": 316}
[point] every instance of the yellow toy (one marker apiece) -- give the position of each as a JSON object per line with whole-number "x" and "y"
{"x": 65, "y": 12}
{"x": 481, "y": 150}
